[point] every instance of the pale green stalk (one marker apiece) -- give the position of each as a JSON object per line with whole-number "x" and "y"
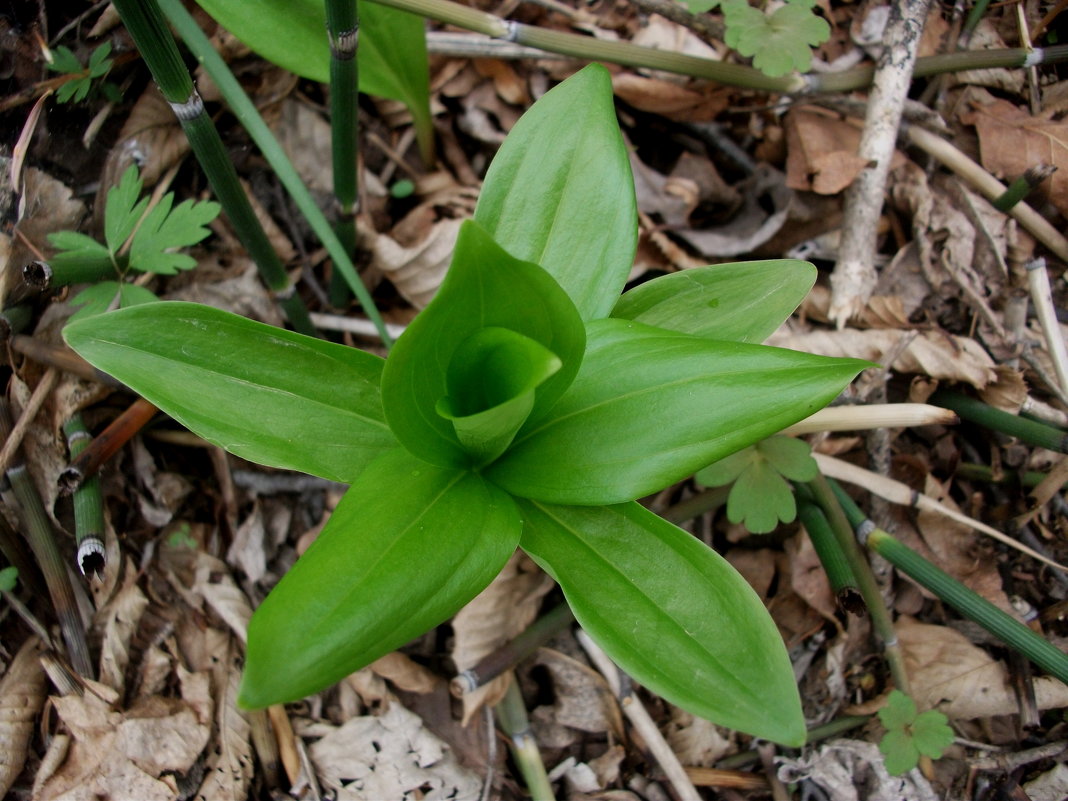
{"x": 252, "y": 122}
{"x": 631, "y": 55}
{"x": 512, "y": 717}
{"x": 88, "y": 505}
{"x": 148, "y": 29}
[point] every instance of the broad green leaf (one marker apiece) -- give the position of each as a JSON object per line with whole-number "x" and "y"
{"x": 123, "y": 209}
{"x": 492, "y": 380}
{"x": 262, "y": 393}
{"x": 931, "y": 733}
{"x": 899, "y": 712}
{"x": 649, "y": 407}
{"x": 406, "y": 548}
{"x": 900, "y": 754}
{"x": 778, "y": 42}
{"x": 391, "y": 57}
{"x": 741, "y": 302}
{"x": 671, "y": 612}
{"x": 559, "y": 192}
{"x": 485, "y": 287}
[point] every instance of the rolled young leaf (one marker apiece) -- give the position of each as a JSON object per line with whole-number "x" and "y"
{"x": 740, "y": 302}
{"x": 267, "y": 395}
{"x": 649, "y": 407}
{"x": 408, "y": 545}
{"x": 671, "y": 612}
{"x": 485, "y": 287}
{"x": 560, "y": 193}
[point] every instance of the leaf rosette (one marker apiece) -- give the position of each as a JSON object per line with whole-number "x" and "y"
{"x": 514, "y": 411}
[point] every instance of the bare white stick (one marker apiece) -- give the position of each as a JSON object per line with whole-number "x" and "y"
{"x": 875, "y": 415}
{"x": 988, "y": 186}
{"x": 1042, "y": 297}
{"x": 641, "y": 721}
{"x": 353, "y": 325}
{"x": 854, "y": 275}
{"x": 904, "y": 495}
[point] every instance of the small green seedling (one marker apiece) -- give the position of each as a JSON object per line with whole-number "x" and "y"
{"x": 761, "y": 497}
{"x": 777, "y": 42}
{"x": 529, "y": 405}
{"x": 134, "y": 241}
{"x": 910, "y": 735}
{"x": 77, "y": 89}
{"x": 8, "y": 579}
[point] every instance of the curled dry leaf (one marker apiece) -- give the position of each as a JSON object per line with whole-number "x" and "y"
{"x": 406, "y": 673}
{"x": 215, "y": 585}
{"x": 960, "y": 679}
{"x": 389, "y": 756}
{"x": 669, "y": 99}
{"x": 931, "y": 353}
{"x": 821, "y": 151}
{"x": 119, "y": 620}
{"x": 22, "y": 693}
{"x": 582, "y": 697}
{"x": 495, "y": 616}
{"x": 230, "y": 762}
{"x": 696, "y": 741}
{"x": 1011, "y": 141}
{"x": 853, "y": 770}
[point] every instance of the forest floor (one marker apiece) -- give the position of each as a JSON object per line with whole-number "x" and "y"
{"x": 196, "y": 537}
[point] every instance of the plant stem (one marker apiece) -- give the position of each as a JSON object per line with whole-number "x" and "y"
{"x": 869, "y": 589}
{"x": 510, "y": 654}
{"x": 1042, "y": 299}
{"x": 148, "y": 29}
{"x": 1022, "y": 187}
{"x": 627, "y": 54}
{"x": 41, "y": 276}
{"x": 835, "y": 564}
{"x": 103, "y": 447}
{"x": 704, "y": 501}
{"x": 250, "y": 118}
{"x": 970, "y": 604}
{"x": 512, "y": 717}
{"x": 41, "y": 537}
{"x": 975, "y": 411}
{"x": 343, "y": 26}
{"x": 14, "y": 320}
{"x": 88, "y": 505}
{"x": 982, "y": 472}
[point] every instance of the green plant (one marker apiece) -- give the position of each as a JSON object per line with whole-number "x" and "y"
{"x": 133, "y": 241}
{"x": 9, "y": 577}
{"x": 777, "y": 42}
{"x": 528, "y": 405}
{"x": 910, "y": 734}
{"x": 760, "y": 496}
{"x": 77, "y": 89}
{"x": 392, "y": 53}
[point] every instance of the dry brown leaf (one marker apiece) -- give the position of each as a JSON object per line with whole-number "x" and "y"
{"x": 808, "y": 578}
{"x": 241, "y": 291}
{"x": 669, "y": 99}
{"x": 696, "y": 741}
{"x": 119, "y": 620}
{"x": 215, "y": 585}
{"x": 305, "y": 136}
{"x": 416, "y": 267}
{"x": 22, "y": 693}
{"x": 853, "y": 770}
{"x": 821, "y": 151}
{"x": 151, "y": 138}
{"x": 405, "y": 673}
{"x": 511, "y": 88}
{"x": 1011, "y": 140}
{"x": 948, "y": 672}
{"x": 495, "y": 616}
{"x": 757, "y": 568}
{"x": 582, "y": 698}
{"x": 130, "y": 754}
{"x": 931, "y": 353}
{"x": 390, "y": 756}
{"x": 248, "y": 549}
{"x": 229, "y": 767}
